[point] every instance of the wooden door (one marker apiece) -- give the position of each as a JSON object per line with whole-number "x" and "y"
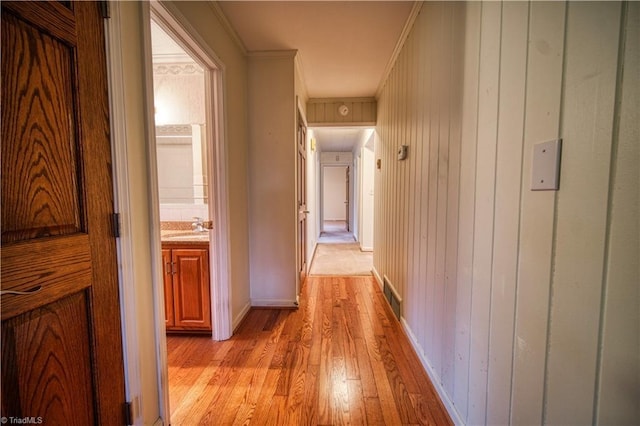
{"x": 61, "y": 335}
{"x": 301, "y": 190}
{"x": 191, "y": 289}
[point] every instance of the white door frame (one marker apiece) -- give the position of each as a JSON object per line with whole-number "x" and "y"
{"x": 171, "y": 19}
{"x": 218, "y": 196}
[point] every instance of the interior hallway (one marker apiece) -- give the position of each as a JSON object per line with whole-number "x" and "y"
{"x": 342, "y": 357}
{"x": 338, "y": 253}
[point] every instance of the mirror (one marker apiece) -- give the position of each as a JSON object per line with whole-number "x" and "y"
{"x": 181, "y": 169}
{"x": 181, "y": 143}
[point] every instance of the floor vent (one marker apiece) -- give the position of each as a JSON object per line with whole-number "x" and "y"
{"x": 391, "y": 296}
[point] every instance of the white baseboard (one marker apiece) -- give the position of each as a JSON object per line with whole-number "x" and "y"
{"x": 243, "y": 313}
{"x": 274, "y": 303}
{"x": 435, "y": 380}
{"x": 366, "y": 248}
{"x": 377, "y": 277}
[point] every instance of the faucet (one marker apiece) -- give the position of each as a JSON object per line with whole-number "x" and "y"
{"x": 198, "y": 225}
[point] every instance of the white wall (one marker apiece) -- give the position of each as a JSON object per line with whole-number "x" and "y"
{"x": 272, "y": 177}
{"x": 334, "y": 192}
{"x": 138, "y": 234}
{"x": 205, "y": 19}
{"x": 367, "y": 177}
{"x": 523, "y": 305}
{"x": 202, "y": 16}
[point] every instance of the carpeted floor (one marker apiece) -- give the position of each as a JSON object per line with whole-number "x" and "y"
{"x": 338, "y": 253}
{"x": 335, "y": 232}
{"x": 341, "y": 259}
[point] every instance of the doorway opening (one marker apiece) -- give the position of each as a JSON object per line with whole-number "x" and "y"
{"x": 343, "y": 189}
{"x": 187, "y": 161}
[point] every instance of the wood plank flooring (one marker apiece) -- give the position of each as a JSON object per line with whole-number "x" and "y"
{"x": 341, "y": 358}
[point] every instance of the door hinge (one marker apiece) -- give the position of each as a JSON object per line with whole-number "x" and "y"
{"x": 128, "y": 413}
{"x": 116, "y": 225}
{"x": 105, "y": 9}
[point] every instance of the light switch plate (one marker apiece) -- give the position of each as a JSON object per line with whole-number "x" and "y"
{"x": 545, "y": 167}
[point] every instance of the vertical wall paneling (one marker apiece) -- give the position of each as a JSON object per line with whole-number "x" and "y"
{"x": 619, "y": 373}
{"x": 542, "y": 115}
{"x": 450, "y": 279}
{"x": 466, "y": 197}
{"x": 522, "y": 305}
{"x": 489, "y": 78}
{"x": 324, "y": 111}
{"x": 406, "y": 167}
{"x": 435, "y": 16}
{"x": 513, "y": 63}
{"x": 419, "y": 170}
{"x": 592, "y": 39}
{"x": 410, "y": 310}
{"x": 444, "y": 100}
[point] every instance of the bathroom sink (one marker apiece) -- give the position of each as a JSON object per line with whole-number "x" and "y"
{"x": 186, "y": 236}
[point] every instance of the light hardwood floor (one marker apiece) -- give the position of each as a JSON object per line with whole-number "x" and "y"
{"x": 341, "y": 358}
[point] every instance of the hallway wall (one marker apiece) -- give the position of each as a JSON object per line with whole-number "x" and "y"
{"x": 523, "y": 305}
{"x": 206, "y": 19}
{"x": 275, "y": 93}
{"x": 148, "y": 404}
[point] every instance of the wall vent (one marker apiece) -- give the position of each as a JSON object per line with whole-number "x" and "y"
{"x": 392, "y": 297}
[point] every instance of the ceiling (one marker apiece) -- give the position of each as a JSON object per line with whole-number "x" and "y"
{"x": 343, "y": 47}
{"x": 338, "y": 139}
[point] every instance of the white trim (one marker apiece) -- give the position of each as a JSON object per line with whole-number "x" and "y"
{"x": 415, "y": 11}
{"x": 362, "y": 248}
{"x": 267, "y": 54}
{"x": 378, "y": 278}
{"x": 155, "y": 242}
{"x": 122, "y": 205}
{"x": 435, "y": 380}
{"x": 219, "y": 249}
{"x": 217, "y": 10}
{"x": 274, "y": 303}
{"x": 343, "y": 124}
{"x": 241, "y": 315}
{"x": 392, "y": 288}
{"x": 344, "y": 100}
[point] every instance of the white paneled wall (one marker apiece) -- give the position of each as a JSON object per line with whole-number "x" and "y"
{"x": 524, "y": 306}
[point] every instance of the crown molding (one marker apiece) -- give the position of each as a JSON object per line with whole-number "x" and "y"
{"x": 334, "y": 100}
{"x": 415, "y": 11}
{"x": 289, "y": 53}
{"x": 226, "y": 25}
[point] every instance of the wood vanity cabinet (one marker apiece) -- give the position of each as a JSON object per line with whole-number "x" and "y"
{"x": 187, "y": 299}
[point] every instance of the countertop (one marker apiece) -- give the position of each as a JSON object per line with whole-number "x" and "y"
{"x": 184, "y": 237}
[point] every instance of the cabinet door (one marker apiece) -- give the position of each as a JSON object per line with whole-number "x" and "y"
{"x": 192, "y": 302}
{"x": 168, "y": 287}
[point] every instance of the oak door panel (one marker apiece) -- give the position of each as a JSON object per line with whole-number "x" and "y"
{"x": 39, "y": 168}
{"x": 46, "y": 353}
{"x": 61, "y": 340}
